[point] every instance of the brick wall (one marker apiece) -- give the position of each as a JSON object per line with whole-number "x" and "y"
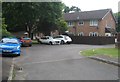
{"x": 107, "y": 20}
{"x": 86, "y": 28}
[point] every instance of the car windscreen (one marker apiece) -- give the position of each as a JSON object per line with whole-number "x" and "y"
{"x": 57, "y": 37}
{"x": 14, "y": 41}
{"x": 44, "y": 37}
{"x": 26, "y": 38}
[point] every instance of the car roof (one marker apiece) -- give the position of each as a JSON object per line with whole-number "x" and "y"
{"x": 26, "y": 38}
{"x": 10, "y": 38}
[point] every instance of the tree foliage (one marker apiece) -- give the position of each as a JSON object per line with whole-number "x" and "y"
{"x": 32, "y": 16}
{"x": 62, "y": 25}
{"x": 117, "y": 16}
{"x": 69, "y": 9}
{"x": 4, "y": 30}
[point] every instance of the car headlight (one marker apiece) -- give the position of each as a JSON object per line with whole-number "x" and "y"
{"x": 16, "y": 48}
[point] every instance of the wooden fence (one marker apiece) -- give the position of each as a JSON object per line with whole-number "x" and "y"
{"x": 96, "y": 40}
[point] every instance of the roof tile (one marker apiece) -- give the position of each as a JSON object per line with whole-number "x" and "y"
{"x": 86, "y": 15}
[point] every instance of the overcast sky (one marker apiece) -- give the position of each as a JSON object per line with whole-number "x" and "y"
{"x": 87, "y": 5}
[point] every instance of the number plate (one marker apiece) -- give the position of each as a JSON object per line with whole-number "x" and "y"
{"x": 7, "y": 51}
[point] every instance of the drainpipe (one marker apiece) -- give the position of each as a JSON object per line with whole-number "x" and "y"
{"x": 75, "y": 30}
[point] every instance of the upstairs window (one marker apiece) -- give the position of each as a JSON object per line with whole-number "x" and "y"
{"x": 93, "y": 22}
{"x": 81, "y": 23}
{"x": 70, "y": 23}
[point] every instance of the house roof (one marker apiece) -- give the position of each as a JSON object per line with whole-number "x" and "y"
{"x": 86, "y": 15}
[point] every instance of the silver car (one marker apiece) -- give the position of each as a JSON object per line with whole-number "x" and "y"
{"x": 64, "y": 39}
{"x": 49, "y": 40}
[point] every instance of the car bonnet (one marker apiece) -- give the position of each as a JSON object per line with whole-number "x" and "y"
{"x": 8, "y": 45}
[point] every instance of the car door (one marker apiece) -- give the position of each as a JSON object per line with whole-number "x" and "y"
{"x": 47, "y": 39}
{"x": 43, "y": 40}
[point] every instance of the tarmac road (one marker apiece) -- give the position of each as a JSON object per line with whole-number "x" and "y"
{"x": 63, "y": 62}
{"x": 5, "y": 64}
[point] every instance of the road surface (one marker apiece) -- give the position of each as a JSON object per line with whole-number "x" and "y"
{"x": 63, "y": 62}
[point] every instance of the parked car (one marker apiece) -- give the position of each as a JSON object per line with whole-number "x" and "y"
{"x": 26, "y": 41}
{"x": 64, "y": 39}
{"x": 10, "y": 46}
{"x": 49, "y": 40}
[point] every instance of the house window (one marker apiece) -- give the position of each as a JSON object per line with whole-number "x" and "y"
{"x": 70, "y": 23}
{"x": 108, "y": 26}
{"x": 108, "y": 34}
{"x": 81, "y": 34}
{"x": 81, "y": 23}
{"x": 93, "y": 34}
{"x": 93, "y": 22}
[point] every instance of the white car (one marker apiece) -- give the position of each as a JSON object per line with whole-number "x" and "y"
{"x": 64, "y": 39}
{"x": 49, "y": 40}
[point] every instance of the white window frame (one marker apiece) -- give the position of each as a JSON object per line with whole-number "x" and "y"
{"x": 93, "y": 34}
{"x": 81, "y": 34}
{"x": 108, "y": 26}
{"x": 82, "y": 23}
{"x": 70, "y": 23}
{"x": 93, "y": 22}
{"x": 108, "y": 34}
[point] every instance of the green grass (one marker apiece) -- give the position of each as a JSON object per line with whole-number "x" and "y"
{"x": 112, "y": 52}
{"x": 34, "y": 41}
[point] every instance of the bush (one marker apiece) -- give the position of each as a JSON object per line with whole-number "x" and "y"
{"x": 5, "y": 33}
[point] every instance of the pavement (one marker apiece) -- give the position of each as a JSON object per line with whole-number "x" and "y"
{"x": 106, "y": 59}
{"x": 63, "y": 62}
{"x": 5, "y": 64}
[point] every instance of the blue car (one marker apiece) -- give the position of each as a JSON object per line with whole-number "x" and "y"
{"x": 10, "y": 46}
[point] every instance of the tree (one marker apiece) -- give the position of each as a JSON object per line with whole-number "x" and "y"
{"x": 66, "y": 9}
{"x": 118, "y": 24}
{"x": 32, "y": 16}
{"x": 75, "y": 9}
{"x": 69, "y": 9}
{"x": 117, "y": 16}
{"x": 62, "y": 25}
{"x": 4, "y": 30}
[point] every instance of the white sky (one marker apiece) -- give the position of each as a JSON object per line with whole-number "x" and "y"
{"x": 87, "y": 5}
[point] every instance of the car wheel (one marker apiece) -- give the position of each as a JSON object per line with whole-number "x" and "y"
{"x": 62, "y": 42}
{"x": 18, "y": 54}
{"x": 50, "y": 43}
{"x": 30, "y": 45}
{"x": 68, "y": 42}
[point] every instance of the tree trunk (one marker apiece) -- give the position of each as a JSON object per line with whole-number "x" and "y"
{"x": 32, "y": 36}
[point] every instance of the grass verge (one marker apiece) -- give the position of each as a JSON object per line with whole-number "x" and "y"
{"x": 112, "y": 52}
{"x": 35, "y": 42}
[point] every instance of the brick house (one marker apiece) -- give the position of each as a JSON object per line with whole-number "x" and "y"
{"x": 91, "y": 23}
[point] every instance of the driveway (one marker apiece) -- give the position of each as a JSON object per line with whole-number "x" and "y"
{"x": 63, "y": 62}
